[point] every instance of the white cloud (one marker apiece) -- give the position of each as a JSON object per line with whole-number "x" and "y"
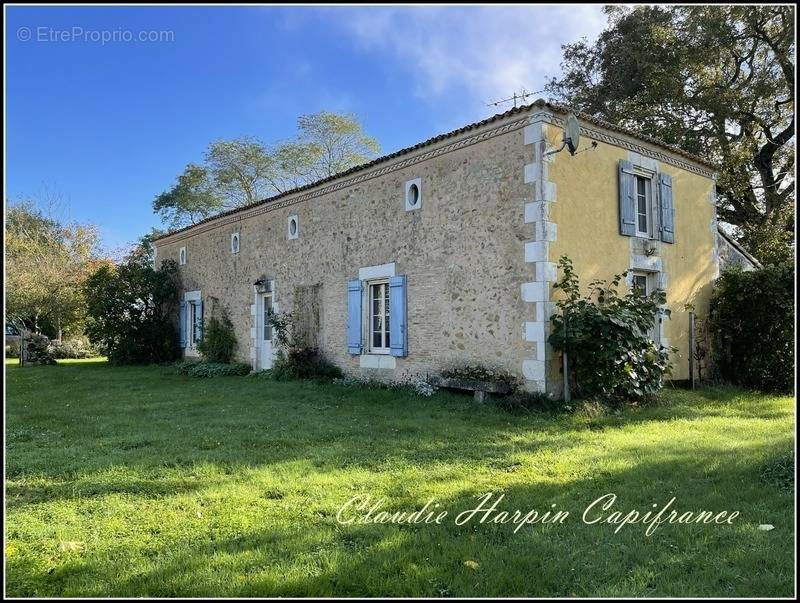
{"x": 475, "y": 54}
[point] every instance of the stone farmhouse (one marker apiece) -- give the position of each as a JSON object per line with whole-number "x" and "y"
{"x": 445, "y": 253}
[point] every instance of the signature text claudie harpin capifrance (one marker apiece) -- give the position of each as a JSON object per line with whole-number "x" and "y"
{"x": 603, "y": 511}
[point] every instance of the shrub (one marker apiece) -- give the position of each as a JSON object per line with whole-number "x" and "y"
{"x": 606, "y": 337}
{"x": 37, "y": 350}
{"x": 752, "y": 322}
{"x": 363, "y": 382}
{"x": 74, "y": 348}
{"x": 293, "y": 360}
{"x": 219, "y": 342}
{"x": 422, "y": 386}
{"x": 413, "y": 384}
{"x": 12, "y": 351}
{"x": 303, "y": 363}
{"x": 131, "y": 309}
{"x": 213, "y": 369}
{"x": 475, "y": 372}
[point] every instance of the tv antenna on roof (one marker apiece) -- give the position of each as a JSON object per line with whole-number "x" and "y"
{"x": 521, "y": 97}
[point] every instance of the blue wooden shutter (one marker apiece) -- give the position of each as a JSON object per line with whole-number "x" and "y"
{"x": 666, "y": 208}
{"x": 354, "y": 317}
{"x": 627, "y": 200}
{"x": 398, "y": 321}
{"x": 182, "y": 323}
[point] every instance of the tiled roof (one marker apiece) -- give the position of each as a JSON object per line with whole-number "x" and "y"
{"x": 540, "y": 103}
{"x": 738, "y": 247}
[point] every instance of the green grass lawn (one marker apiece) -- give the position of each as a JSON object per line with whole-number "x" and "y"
{"x": 138, "y": 481}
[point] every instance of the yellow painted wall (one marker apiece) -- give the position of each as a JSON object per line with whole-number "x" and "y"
{"x": 586, "y": 212}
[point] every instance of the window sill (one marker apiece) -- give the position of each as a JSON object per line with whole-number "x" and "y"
{"x": 377, "y": 361}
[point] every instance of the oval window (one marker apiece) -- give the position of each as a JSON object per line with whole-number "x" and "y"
{"x": 292, "y": 227}
{"x": 413, "y": 195}
{"x": 235, "y": 243}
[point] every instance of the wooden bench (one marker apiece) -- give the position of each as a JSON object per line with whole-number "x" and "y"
{"x": 480, "y": 388}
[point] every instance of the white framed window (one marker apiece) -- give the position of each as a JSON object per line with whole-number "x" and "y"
{"x": 378, "y": 315}
{"x": 196, "y": 323}
{"x": 293, "y": 227}
{"x": 413, "y": 194}
{"x": 193, "y": 328}
{"x": 644, "y": 205}
{"x": 182, "y": 256}
{"x": 235, "y": 243}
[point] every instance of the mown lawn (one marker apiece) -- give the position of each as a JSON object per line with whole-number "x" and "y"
{"x": 141, "y": 482}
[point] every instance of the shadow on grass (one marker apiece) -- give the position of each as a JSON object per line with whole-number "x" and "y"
{"x": 323, "y": 557}
{"x": 149, "y": 418}
{"x": 148, "y": 436}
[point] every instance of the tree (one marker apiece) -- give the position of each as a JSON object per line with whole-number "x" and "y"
{"x": 752, "y": 319}
{"x": 47, "y": 263}
{"x": 243, "y": 171}
{"x": 717, "y": 81}
{"x": 606, "y": 337}
{"x": 334, "y": 143}
{"x": 131, "y": 308}
{"x": 190, "y": 200}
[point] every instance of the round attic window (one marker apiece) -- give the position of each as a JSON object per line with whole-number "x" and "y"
{"x": 413, "y": 195}
{"x": 293, "y": 226}
{"x": 235, "y": 243}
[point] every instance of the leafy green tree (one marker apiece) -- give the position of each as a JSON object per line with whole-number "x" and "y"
{"x": 131, "y": 307}
{"x": 190, "y": 200}
{"x": 752, "y": 319}
{"x": 717, "y": 81}
{"x": 243, "y": 171}
{"x": 607, "y": 337}
{"x": 334, "y": 143}
{"x": 47, "y": 262}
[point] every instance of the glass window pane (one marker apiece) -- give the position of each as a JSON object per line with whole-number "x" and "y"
{"x": 195, "y": 322}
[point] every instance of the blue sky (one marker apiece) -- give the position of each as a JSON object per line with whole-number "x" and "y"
{"x": 105, "y": 127}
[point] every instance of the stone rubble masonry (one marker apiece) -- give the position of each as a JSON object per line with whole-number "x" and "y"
{"x": 498, "y": 210}
{"x": 462, "y": 252}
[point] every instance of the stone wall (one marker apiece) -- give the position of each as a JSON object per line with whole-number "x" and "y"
{"x": 462, "y": 252}
{"x": 497, "y": 210}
